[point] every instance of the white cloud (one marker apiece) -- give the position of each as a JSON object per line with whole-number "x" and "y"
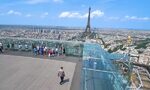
{"x": 137, "y": 18}
{"x": 129, "y": 18}
{"x": 58, "y": 1}
{"x": 97, "y": 13}
{"x": 67, "y": 14}
{"x": 36, "y": 1}
{"x": 28, "y": 15}
{"x": 64, "y": 14}
{"x": 12, "y": 12}
{"x": 108, "y": 1}
{"x": 85, "y": 15}
{"x": 70, "y": 15}
{"x": 145, "y": 18}
{"x": 42, "y": 1}
{"x": 44, "y": 14}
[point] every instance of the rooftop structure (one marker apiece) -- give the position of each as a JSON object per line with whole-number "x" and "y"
{"x": 97, "y": 67}
{"x": 22, "y": 73}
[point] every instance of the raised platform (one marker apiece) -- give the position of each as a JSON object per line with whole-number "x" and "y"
{"x": 28, "y": 73}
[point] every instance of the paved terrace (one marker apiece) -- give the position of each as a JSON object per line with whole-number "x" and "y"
{"x": 23, "y": 71}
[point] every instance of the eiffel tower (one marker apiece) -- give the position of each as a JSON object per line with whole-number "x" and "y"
{"x": 87, "y": 32}
{"x": 88, "y": 27}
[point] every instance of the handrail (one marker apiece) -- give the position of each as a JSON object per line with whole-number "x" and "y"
{"x": 16, "y": 38}
{"x": 91, "y": 57}
{"x": 148, "y": 73}
{"x": 99, "y": 70}
{"x": 145, "y": 71}
{"x": 131, "y": 88}
{"x": 141, "y": 83}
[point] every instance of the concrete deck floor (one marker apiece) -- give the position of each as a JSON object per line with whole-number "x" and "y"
{"x": 28, "y": 73}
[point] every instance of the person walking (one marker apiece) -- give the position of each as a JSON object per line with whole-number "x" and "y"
{"x": 61, "y": 74}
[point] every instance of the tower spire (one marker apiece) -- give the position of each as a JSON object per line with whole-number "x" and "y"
{"x": 88, "y": 28}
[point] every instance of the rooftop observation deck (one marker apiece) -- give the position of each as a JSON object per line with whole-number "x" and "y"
{"x": 87, "y": 65}
{"x": 23, "y": 64}
{"x": 23, "y": 71}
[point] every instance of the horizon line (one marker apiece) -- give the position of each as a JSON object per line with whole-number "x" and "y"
{"x": 75, "y": 26}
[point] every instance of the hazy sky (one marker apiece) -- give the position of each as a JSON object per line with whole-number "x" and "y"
{"x": 105, "y": 13}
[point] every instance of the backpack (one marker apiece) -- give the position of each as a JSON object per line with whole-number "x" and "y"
{"x": 63, "y": 74}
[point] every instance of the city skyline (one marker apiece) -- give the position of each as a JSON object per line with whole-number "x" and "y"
{"x": 104, "y": 13}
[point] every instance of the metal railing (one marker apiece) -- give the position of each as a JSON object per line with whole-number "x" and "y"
{"x": 97, "y": 70}
{"x": 148, "y": 73}
{"x": 145, "y": 70}
{"x": 140, "y": 80}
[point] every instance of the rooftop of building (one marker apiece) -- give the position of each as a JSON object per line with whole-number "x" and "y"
{"x": 22, "y": 70}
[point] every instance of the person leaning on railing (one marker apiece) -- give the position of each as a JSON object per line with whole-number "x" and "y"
{"x": 1, "y": 47}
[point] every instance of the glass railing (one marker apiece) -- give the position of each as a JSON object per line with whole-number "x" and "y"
{"x": 99, "y": 71}
{"x": 72, "y": 48}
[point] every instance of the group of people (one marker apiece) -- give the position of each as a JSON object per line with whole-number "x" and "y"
{"x": 43, "y": 50}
